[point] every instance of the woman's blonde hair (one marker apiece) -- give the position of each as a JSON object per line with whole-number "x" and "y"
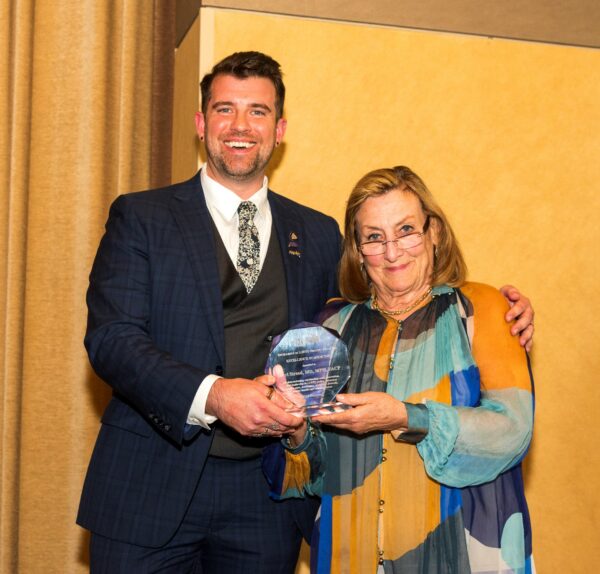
{"x": 449, "y": 265}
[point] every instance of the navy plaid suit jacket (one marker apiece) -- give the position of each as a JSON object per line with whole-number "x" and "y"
{"x": 155, "y": 330}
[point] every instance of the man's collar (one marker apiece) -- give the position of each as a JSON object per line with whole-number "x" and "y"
{"x": 225, "y": 201}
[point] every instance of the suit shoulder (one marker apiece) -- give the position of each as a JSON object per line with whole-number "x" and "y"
{"x": 156, "y": 197}
{"x": 302, "y": 210}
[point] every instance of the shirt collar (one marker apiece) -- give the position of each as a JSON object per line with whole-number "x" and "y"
{"x": 226, "y": 202}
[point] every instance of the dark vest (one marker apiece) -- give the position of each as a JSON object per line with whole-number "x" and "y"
{"x": 251, "y": 320}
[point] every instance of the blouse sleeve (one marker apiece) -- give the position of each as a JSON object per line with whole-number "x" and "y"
{"x": 296, "y": 472}
{"x": 472, "y": 445}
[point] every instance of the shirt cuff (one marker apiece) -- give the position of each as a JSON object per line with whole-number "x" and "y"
{"x": 197, "y": 414}
{"x": 418, "y": 424}
{"x": 418, "y": 417}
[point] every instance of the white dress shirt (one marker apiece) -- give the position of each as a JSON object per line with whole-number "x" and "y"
{"x": 222, "y": 205}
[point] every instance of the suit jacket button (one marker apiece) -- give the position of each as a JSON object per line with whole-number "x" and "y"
{"x": 167, "y": 427}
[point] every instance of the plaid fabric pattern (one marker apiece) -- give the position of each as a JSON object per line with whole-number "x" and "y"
{"x": 155, "y": 331}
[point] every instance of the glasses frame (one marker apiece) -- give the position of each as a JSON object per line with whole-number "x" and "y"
{"x": 395, "y": 240}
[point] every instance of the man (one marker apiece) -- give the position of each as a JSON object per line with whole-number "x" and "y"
{"x": 189, "y": 286}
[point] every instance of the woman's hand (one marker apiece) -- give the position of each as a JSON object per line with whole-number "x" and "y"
{"x": 373, "y": 411}
{"x": 297, "y": 437}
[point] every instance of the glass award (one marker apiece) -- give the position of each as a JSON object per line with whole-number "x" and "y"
{"x": 311, "y": 366}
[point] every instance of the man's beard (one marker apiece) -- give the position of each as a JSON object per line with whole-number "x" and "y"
{"x": 240, "y": 172}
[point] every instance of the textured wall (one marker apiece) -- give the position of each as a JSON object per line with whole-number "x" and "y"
{"x": 507, "y": 135}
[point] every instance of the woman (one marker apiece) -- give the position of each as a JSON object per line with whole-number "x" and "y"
{"x": 423, "y": 474}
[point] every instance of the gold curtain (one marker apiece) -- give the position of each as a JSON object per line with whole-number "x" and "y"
{"x": 86, "y": 111}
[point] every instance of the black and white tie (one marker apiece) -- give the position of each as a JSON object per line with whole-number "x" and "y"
{"x": 248, "y": 258}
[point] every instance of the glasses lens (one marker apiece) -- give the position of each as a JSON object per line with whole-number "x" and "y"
{"x": 410, "y": 240}
{"x": 405, "y": 242}
{"x": 373, "y": 248}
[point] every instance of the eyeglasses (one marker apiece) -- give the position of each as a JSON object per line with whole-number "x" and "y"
{"x": 403, "y": 242}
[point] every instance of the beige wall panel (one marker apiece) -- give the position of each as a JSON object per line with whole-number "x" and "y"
{"x": 560, "y": 21}
{"x": 507, "y": 135}
{"x": 185, "y": 98}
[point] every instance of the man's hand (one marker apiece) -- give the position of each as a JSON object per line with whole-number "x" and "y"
{"x": 290, "y": 399}
{"x": 373, "y": 411}
{"x": 522, "y": 313}
{"x": 246, "y": 406}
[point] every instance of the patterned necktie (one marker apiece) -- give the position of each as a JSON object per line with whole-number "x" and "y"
{"x": 248, "y": 258}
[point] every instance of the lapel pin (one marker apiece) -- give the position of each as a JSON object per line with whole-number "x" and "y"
{"x": 294, "y": 245}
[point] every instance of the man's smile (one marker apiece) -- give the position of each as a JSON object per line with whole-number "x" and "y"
{"x": 237, "y": 144}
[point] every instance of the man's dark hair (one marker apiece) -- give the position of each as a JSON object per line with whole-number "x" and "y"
{"x": 246, "y": 65}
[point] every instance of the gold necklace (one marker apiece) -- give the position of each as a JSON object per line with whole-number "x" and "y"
{"x": 414, "y": 304}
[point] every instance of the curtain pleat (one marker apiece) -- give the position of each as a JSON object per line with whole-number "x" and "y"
{"x": 86, "y": 100}
{"x": 163, "y": 81}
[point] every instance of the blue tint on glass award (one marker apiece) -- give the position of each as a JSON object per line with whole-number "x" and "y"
{"x": 311, "y": 365}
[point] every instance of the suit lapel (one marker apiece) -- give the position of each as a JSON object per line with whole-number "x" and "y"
{"x": 290, "y": 233}
{"x": 193, "y": 219}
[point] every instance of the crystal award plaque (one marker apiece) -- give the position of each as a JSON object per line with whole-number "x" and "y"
{"x": 311, "y": 365}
